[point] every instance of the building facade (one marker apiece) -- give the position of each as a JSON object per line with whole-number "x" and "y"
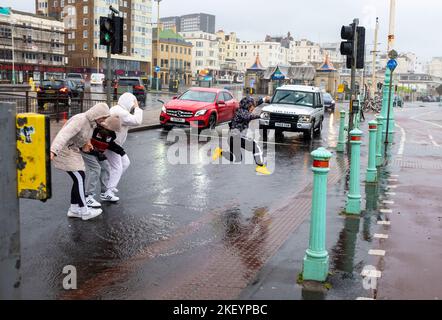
{"x": 304, "y": 50}
{"x": 190, "y": 22}
{"x": 41, "y": 7}
{"x": 31, "y": 45}
{"x": 82, "y": 24}
{"x": 270, "y": 53}
{"x": 204, "y": 52}
{"x": 175, "y": 57}
{"x": 435, "y": 67}
{"x": 227, "y": 51}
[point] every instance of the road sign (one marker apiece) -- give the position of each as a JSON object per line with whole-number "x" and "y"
{"x": 393, "y": 54}
{"x": 341, "y": 88}
{"x": 392, "y": 64}
{"x": 157, "y": 69}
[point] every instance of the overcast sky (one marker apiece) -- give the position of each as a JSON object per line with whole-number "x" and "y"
{"x": 417, "y": 22}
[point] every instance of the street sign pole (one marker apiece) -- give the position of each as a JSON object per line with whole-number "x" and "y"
{"x": 109, "y": 75}
{"x": 388, "y": 110}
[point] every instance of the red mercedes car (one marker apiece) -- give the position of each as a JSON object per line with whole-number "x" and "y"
{"x": 200, "y": 108}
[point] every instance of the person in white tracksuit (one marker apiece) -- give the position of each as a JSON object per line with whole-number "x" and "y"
{"x": 130, "y": 115}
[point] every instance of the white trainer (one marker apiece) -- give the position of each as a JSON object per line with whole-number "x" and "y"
{"x": 109, "y": 196}
{"x": 91, "y": 213}
{"x": 74, "y": 211}
{"x": 92, "y": 203}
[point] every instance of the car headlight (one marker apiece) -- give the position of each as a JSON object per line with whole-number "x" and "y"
{"x": 333, "y": 102}
{"x": 265, "y": 115}
{"x": 163, "y": 109}
{"x": 304, "y": 119}
{"x": 200, "y": 113}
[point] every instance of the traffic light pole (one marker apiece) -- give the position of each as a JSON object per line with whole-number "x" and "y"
{"x": 353, "y": 80}
{"x": 108, "y": 77}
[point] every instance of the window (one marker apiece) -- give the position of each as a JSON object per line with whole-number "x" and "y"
{"x": 85, "y": 9}
{"x": 85, "y": 34}
{"x": 85, "y": 21}
{"x": 85, "y": 46}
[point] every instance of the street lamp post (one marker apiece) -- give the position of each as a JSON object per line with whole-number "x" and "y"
{"x": 158, "y": 43}
{"x": 13, "y": 51}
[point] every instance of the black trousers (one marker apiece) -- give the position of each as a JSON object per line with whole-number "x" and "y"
{"x": 238, "y": 142}
{"x": 77, "y": 192}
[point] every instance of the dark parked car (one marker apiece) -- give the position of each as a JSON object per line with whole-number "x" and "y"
{"x": 133, "y": 85}
{"x": 329, "y": 103}
{"x": 58, "y": 91}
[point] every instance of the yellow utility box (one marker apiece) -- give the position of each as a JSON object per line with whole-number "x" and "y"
{"x": 33, "y": 156}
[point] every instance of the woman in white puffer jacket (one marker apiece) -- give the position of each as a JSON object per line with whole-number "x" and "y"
{"x": 130, "y": 115}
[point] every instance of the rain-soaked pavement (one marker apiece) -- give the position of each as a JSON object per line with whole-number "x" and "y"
{"x": 197, "y": 231}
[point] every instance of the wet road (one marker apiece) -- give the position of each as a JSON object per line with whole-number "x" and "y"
{"x": 168, "y": 222}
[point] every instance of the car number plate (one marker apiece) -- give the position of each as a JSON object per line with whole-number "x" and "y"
{"x": 284, "y": 125}
{"x": 50, "y": 91}
{"x": 177, "y": 120}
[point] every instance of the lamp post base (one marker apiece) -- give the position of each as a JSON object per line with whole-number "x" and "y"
{"x": 371, "y": 175}
{"x": 353, "y": 204}
{"x": 316, "y": 266}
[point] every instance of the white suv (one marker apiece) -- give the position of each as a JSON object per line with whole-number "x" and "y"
{"x": 294, "y": 108}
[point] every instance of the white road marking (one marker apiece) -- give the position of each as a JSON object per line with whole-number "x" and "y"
{"x": 364, "y": 298}
{"x": 380, "y": 236}
{"x": 385, "y": 223}
{"x": 374, "y": 252}
{"x": 388, "y": 201}
{"x": 403, "y": 140}
{"x": 386, "y": 211}
{"x": 392, "y": 180}
{"x": 371, "y": 273}
{"x": 391, "y": 187}
{"x": 394, "y": 175}
{"x": 390, "y": 193}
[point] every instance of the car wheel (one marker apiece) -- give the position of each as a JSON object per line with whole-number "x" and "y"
{"x": 319, "y": 129}
{"x": 308, "y": 135}
{"x": 212, "y": 122}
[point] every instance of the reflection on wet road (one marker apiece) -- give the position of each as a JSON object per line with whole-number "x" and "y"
{"x": 172, "y": 226}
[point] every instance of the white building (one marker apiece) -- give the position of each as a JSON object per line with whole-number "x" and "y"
{"x": 333, "y": 51}
{"x": 304, "y": 50}
{"x": 204, "y": 52}
{"x": 435, "y": 67}
{"x": 270, "y": 54}
{"x": 226, "y": 45}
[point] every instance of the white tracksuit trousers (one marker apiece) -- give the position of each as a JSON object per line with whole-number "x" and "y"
{"x": 117, "y": 165}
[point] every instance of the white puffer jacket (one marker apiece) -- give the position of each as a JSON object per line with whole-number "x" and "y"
{"x": 122, "y": 110}
{"x": 76, "y": 132}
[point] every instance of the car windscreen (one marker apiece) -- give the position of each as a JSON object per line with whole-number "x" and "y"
{"x": 128, "y": 82}
{"x": 327, "y": 97}
{"x": 293, "y": 97}
{"x": 74, "y": 76}
{"x": 55, "y": 84}
{"x": 201, "y": 96}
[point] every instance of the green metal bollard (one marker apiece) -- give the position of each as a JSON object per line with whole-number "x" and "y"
{"x": 385, "y": 107}
{"x": 316, "y": 261}
{"x": 354, "y": 194}
{"x": 341, "y": 139}
{"x": 379, "y": 141}
{"x": 372, "y": 173}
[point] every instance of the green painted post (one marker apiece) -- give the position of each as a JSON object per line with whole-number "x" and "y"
{"x": 316, "y": 261}
{"x": 379, "y": 141}
{"x": 385, "y": 107}
{"x": 354, "y": 194}
{"x": 372, "y": 173}
{"x": 341, "y": 139}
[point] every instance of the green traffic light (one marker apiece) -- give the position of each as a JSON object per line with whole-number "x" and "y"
{"x": 107, "y": 37}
